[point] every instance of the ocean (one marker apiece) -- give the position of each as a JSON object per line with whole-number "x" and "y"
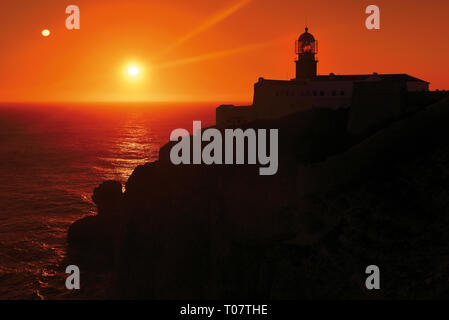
{"x": 51, "y": 158}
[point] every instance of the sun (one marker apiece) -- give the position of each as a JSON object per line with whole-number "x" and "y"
{"x": 133, "y": 71}
{"x": 45, "y": 32}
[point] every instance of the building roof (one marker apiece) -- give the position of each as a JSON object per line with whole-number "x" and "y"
{"x": 363, "y": 77}
{"x": 350, "y": 77}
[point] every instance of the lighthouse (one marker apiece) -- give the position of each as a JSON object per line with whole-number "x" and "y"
{"x": 363, "y": 94}
{"x": 306, "y": 49}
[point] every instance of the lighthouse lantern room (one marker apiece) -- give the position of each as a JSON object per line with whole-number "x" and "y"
{"x": 306, "y": 47}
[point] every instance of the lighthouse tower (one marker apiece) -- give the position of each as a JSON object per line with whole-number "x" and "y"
{"x": 306, "y": 49}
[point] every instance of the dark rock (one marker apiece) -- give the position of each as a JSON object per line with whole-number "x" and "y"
{"x": 91, "y": 240}
{"x": 108, "y": 198}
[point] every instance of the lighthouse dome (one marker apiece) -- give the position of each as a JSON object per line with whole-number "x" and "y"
{"x": 306, "y": 44}
{"x": 306, "y": 37}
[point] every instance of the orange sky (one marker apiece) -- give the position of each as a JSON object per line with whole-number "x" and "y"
{"x": 207, "y": 50}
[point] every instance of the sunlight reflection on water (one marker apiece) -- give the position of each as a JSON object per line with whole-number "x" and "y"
{"x": 50, "y": 161}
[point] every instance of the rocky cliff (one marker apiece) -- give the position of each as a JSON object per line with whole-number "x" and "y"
{"x": 337, "y": 204}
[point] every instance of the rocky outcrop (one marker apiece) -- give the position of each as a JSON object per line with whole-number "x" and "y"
{"x": 91, "y": 240}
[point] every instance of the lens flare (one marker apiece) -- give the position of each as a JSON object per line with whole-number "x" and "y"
{"x": 207, "y": 24}
{"x": 224, "y": 53}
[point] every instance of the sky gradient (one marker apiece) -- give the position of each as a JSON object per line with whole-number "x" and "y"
{"x": 202, "y": 50}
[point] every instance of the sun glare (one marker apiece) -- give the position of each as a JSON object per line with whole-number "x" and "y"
{"x": 133, "y": 71}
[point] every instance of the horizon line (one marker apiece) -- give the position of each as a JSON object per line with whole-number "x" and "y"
{"x": 219, "y": 102}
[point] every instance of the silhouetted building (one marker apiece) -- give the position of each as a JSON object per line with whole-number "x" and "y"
{"x": 276, "y": 98}
{"x": 306, "y": 48}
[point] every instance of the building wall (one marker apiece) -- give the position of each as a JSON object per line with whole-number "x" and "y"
{"x": 274, "y": 99}
{"x": 375, "y": 103}
{"x": 417, "y": 86}
{"x": 372, "y": 101}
